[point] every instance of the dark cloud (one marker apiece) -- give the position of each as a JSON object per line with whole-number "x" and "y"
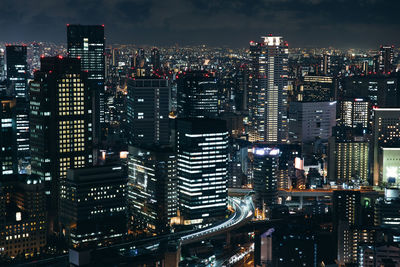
{"x": 342, "y": 23}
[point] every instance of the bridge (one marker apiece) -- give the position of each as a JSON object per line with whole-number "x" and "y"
{"x": 244, "y": 211}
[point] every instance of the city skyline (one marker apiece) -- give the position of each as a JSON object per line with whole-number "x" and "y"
{"x": 363, "y": 24}
{"x": 200, "y": 154}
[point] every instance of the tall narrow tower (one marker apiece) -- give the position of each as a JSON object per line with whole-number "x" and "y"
{"x": 60, "y": 125}
{"x": 87, "y": 43}
{"x": 267, "y": 95}
{"x": 17, "y": 75}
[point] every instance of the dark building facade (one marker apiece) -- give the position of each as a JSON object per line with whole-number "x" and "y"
{"x": 352, "y": 222}
{"x": 286, "y": 246}
{"x": 147, "y": 111}
{"x": 386, "y": 55}
{"x": 379, "y": 90}
{"x": 17, "y": 75}
{"x": 152, "y": 188}
{"x": 93, "y": 206}
{"x": 155, "y": 59}
{"x": 317, "y": 89}
{"x": 23, "y": 224}
{"x": 61, "y": 123}
{"x": 197, "y": 95}
{"x": 8, "y": 155}
{"x": 17, "y": 70}
{"x": 87, "y": 42}
{"x": 265, "y": 175}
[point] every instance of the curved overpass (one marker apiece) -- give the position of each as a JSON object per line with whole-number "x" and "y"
{"x": 244, "y": 211}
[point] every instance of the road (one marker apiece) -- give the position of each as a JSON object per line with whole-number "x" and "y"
{"x": 244, "y": 211}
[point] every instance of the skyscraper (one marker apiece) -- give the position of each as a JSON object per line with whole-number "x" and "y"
{"x": 87, "y": 42}
{"x": 387, "y": 210}
{"x": 155, "y": 59}
{"x": 386, "y": 58}
{"x": 265, "y": 171}
{"x": 267, "y": 96}
{"x": 17, "y": 74}
{"x": 93, "y": 206}
{"x": 2, "y": 66}
{"x": 147, "y": 111}
{"x": 348, "y": 160}
{"x": 311, "y": 120}
{"x": 378, "y": 90}
{"x": 202, "y": 155}
{"x": 197, "y": 95}
{"x": 17, "y": 69}
{"x": 316, "y": 89}
{"x": 23, "y": 228}
{"x": 8, "y": 155}
{"x": 354, "y": 113}
{"x": 22, "y": 133}
{"x": 152, "y": 188}
{"x": 326, "y": 64}
{"x": 139, "y": 63}
{"x": 386, "y": 146}
{"x": 350, "y": 225}
{"x": 61, "y": 122}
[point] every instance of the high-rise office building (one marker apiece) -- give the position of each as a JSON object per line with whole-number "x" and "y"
{"x": 61, "y": 122}
{"x": 202, "y": 155}
{"x": 8, "y": 155}
{"x": 267, "y": 94}
{"x": 93, "y": 206}
{"x": 351, "y": 224}
{"x": 197, "y": 95}
{"x": 385, "y": 57}
{"x": 386, "y": 146}
{"x": 347, "y": 206}
{"x": 317, "y": 89}
{"x": 17, "y": 75}
{"x": 147, "y": 111}
{"x": 388, "y": 161}
{"x": 152, "y": 188}
{"x": 311, "y": 120}
{"x": 378, "y": 90}
{"x": 17, "y": 70}
{"x": 289, "y": 155}
{"x": 139, "y": 63}
{"x": 22, "y": 133}
{"x": 87, "y": 42}
{"x": 379, "y": 255}
{"x": 237, "y": 162}
{"x": 287, "y": 244}
{"x": 241, "y": 81}
{"x": 265, "y": 172}
{"x": 326, "y": 64}
{"x": 348, "y": 161}
{"x": 354, "y": 113}
{"x": 387, "y": 210}
{"x": 155, "y": 59}
{"x": 24, "y": 230}
{"x": 3, "y": 88}
{"x": 2, "y": 65}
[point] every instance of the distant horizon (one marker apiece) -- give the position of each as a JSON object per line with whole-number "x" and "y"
{"x": 363, "y": 24}
{"x": 27, "y": 42}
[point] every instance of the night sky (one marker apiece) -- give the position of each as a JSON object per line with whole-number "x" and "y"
{"x": 321, "y": 23}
